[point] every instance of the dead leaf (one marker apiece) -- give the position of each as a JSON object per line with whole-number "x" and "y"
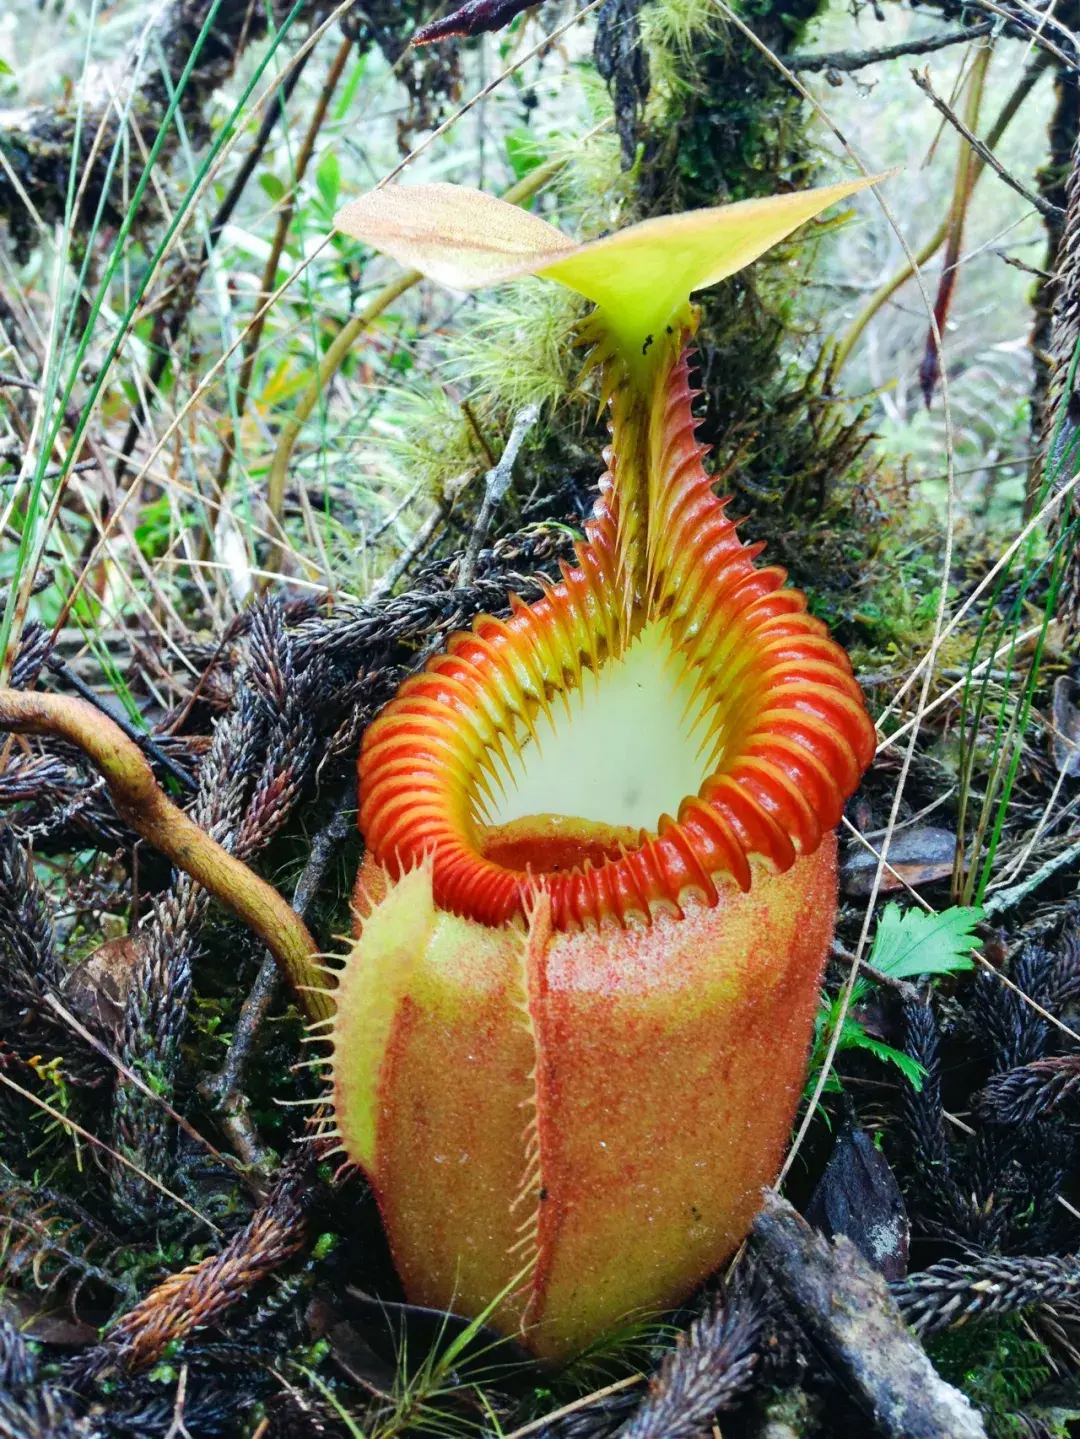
{"x": 858, "y": 1196}
{"x": 38, "y": 1318}
{"x": 919, "y": 856}
{"x": 475, "y": 18}
{"x": 97, "y": 989}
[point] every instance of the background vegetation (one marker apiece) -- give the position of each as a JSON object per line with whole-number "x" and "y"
{"x": 241, "y": 465}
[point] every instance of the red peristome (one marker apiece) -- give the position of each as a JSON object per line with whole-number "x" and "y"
{"x": 798, "y": 733}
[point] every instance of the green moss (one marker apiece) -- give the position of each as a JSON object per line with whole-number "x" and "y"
{"x": 725, "y": 125}
{"x": 1000, "y": 1366}
{"x": 423, "y": 438}
{"x": 518, "y": 348}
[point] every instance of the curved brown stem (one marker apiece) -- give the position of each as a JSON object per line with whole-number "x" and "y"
{"x": 140, "y": 800}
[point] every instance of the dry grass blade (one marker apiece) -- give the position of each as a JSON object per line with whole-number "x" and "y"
{"x": 580, "y": 1417}
{"x": 966, "y": 175}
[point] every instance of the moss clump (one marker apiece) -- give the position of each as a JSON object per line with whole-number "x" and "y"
{"x": 724, "y": 125}
{"x": 1000, "y": 1366}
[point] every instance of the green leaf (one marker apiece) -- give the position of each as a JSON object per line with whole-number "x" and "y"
{"x": 854, "y": 1036}
{"x": 5, "y": 68}
{"x": 328, "y": 178}
{"x": 640, "y": 278}
{"x": 272, "y": 186}
{"x": 910, "y": 1068}
{"x": 914, "y": 943}
{"x": 522, "y": 151}
{"x": 154, "y": 530}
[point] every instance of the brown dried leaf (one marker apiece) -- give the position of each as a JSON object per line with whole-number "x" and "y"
{"x": 919, "y": 856}
{"x": 858, "y": 1196}
{"x": 97, "y": 989}
{"x": 475, "y": 18}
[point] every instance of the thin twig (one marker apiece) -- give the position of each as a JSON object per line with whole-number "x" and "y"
{"x": 225, "y": 1089}
{"x": 496, "y": 484}
{"x": 1004, "y": 899}
{"x": 848, "y": 60}
{"x": 843, "y": 1302}
{"x": 900, "y": 986}
{"x": 54, "y": 471}
{"x": 423, "y": 537}
{"x": 478, "y": 96}
{"x": 178, "y": 1429}
{"x": 1052, "y": 503}
{"x": 985, "y": 154}
{"x": 146, "y": 742}
{"x": 975, "y": 954}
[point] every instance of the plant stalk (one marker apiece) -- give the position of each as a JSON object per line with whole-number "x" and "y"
{"x": 140, "y": 801}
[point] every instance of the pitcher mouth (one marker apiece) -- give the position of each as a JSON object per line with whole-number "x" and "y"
{"x": 551, "y": 749}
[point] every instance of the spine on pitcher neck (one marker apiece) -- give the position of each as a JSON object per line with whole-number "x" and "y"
{"x": 640, "y": 423}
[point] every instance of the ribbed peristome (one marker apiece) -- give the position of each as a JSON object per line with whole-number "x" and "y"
{"x": 783, "y": 729}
